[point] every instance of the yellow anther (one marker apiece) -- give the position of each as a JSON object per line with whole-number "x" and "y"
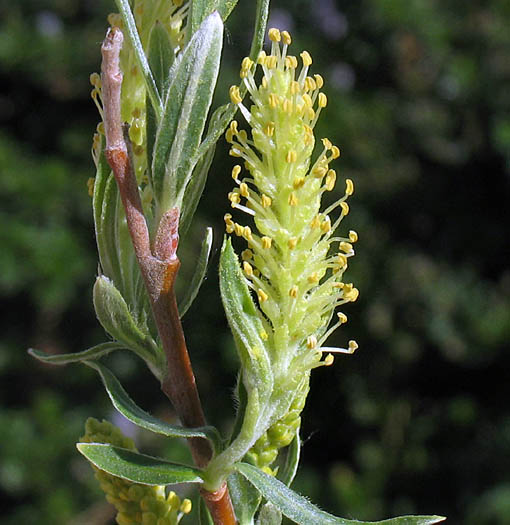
{"x": 319, "y": 81}
{"x": 307, "y": 99}
{"x": 233, "y": 126}
{"x": 295, "y": 88}
{"x": 352, "y": 346}
{"x": 264, "y": 82}
{"x": 235, "y": 95}
{"x": 100, "y": 128}
{"x": 341, "y": 260}
{"x": 292, "y": 243}
{"x": 339, "y": 285}
{"x": 350, "y": 293}
{"x": 263, "y": 335}
{"x": 261, "y": 57}
{"x": 266, "y": 242}
{"x": 227, "y": 217}
{"x": 345, "y": 208}
{"x": 269, "y": 129}
{"x": 311, "y": 342}
{"x": 229, "y": 136}
{"x": 247, "y": 233}
{"x": 293, "y": 292}
{"x": 243, "y": 189}
{"x": 242, "y": 136}
{"x": 291, "y": 62}
{"x": 271, "y": 62}
{"x": 329, "y": 360}
{"x": 306, "y": 58}
{"x": 246, "y": 255}
{"x": 247, "y": 63}
{"x": 293, "y": 200}
{"x": 323, "y": 100}
{"x": 185, "y": 507}
{"x": 313, "y": 278}
{"x": 316, "y": 222}
{"x": 266, "y": 201}
{"x": 273, "y": 100}
{"x": 310, "y": 84}
{"x": 349, "y": 187}
{"x": 353, "y": 236}
{"x": 310, "y": 113}
{"x": 287, "y": 40}
{"x": 330, "y": 180}
{"x": 238, "y": 229}
{"x": 326, "y": 225}
{"x": 346, "y": 247}
{"x": 298, "y": 182}
{"x": 234, "y": 197}
{"x": 262, "y": 295}
{"x": 248, "y": 269}
{"x": 90, "y": 186}
{"x": 229, "y": 227}
{"x": 274, "y": 34}
{"x": 342, "y": 318}
{"x": 95, "y": 80}
{"x": 135, "y": 133}
{"x": 335, "y": 152}
{"x": 327, "y": 143}
{"x": 291, "y": 156}
{"x": 287, "y": 106}
{"x": 236, "y": 170}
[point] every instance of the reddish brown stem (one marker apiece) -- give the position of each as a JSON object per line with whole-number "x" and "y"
{"x": 159, "y": 267}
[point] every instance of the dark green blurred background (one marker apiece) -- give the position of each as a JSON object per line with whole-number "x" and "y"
{"x": 418, "y": 419}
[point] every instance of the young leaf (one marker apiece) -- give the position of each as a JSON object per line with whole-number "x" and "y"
{"x": 130, "y": 410}
{"x": 204, "y": 516}
{"x": 132, "y": 34}
{"x": 186, "y": 106}
{"x": 95, "y": 352}
{"x": 269, "y": 515}
{"x": 136, "y": 467}
{"x": 302, "y": 512}
{"x": 161, "y": 56}
{"x": 115, "y": 317}
{"x": 243, "y": 317}
{"x": 245, "y": 498}
{"x": 199, "y": 275}
{"x": 200, "y": 9}
{"x": 293, "y": 452}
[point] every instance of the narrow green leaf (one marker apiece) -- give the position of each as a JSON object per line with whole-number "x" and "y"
{"x": 245, "y": 498}
{"x": 161, "y": 56}
{"x": 302, "y": 512}
{"x": 115, "y": 317}
{"x": 201, "y": 9}
{"x": 204, "y": 516}
{"x": 95, "y": 352}
{"x": 186, "y": 106}
{"x": 288, "y": 472}
{"x": 229, "y": 110}
{"x": 195, "y": 189}
{"x": 244, "y": 318}
{"x": 132, "y": 34}
{"x": 199, "y": 275}
{"x": 136, "y": 467}
{"x": 130, "y": 410}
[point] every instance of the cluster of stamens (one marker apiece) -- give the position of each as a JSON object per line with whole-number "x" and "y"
{"x": 294, "y": 261}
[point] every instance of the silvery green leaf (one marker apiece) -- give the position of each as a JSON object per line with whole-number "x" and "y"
{"x": 115, "y": 317}
{"x": 269, "y": 515}
{"x": 287, "y": 474}
{"x": 161, "y": 56}
{"x": 137, "y": 467}
{"x": 199, "y": 275}
{"x": 200, "y": 9}
{"x": 245, "y": 498}
{"x": 185, "y": 112}
{"x": 134, "y": 37}
{"x": 301, "y": 511}
{"x": 244, "y": 319}
{"x": 96, "y": 352}
{"x": 131, "y": 411}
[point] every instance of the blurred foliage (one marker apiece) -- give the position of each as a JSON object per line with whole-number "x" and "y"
{"x": 417, "y": 420}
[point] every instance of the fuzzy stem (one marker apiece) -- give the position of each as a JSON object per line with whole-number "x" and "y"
{"x": 159, "y": 267}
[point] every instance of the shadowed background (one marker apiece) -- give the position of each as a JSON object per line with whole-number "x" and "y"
{"x": 419, "y": 103}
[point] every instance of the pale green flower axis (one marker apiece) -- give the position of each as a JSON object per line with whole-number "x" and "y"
{"x": 136, "y": 504}
{"x": 295, "y": 261}
{"x": 172, "y": 14}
